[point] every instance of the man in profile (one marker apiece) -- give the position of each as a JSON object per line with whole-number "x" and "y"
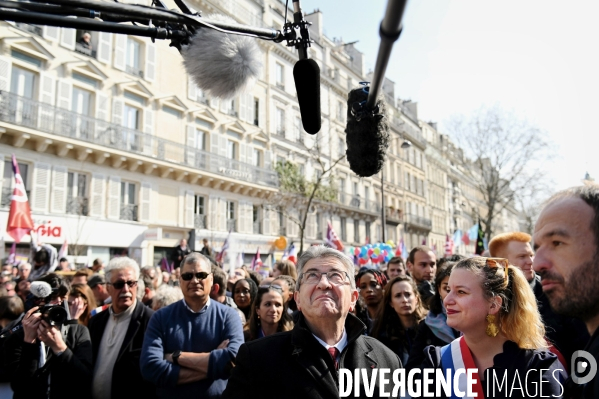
{"x": 566, "y": 246}
{"x": 326, "y": 338}
{"x": 566, "y": 333}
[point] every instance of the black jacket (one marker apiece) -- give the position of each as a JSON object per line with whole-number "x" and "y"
{"x": 71, "y": 372}
{"x": 178, "y": 254}
{"x": 566, "y": 333}
{"x": 424, "y": 337}
{"x": 127, "y": 381}
{"x": 589, "y": 390}
{"x": 513, "y": 362}
{"x": 302, "y": 366}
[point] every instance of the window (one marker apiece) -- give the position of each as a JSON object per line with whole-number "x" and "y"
{"x": 366, "y": 193}
{"x": 257, "y": 229}
{"x": 280, "y": 121}
{"x": 256, "y": 112}
{"x": 341, "y": 146}
{"x": 355, "y": 188}
{"x": 297, "y": 127}
{"x": 199, "y": 212}
{"x": 200, "y": 139}
{"x": 231, "y": 222}
{"x": 81, "y": 101}
{"x": 343, "y": 228}
{"x": 398, "y": 174}
{"x": 342, "y": 185}
{"x": 367, "y": 228}
{"x": 357, "y": 231}
{"x": 256, "y": 157}
{"x": 132, "y": 65}
{"x": 231, "y": 149}
{"x": 132, "y": 115}
{"x": 128, "y": 207}
{"x": 77, "y": 201}
{"x": 27, "y": 58}
{"x": 280, "y": 76}
{"x": 22, "y": 82}
{"x": 340, "y": 111}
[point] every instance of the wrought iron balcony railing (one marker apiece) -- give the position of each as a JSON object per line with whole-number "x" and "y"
{"x": 199, "y": 221}
{"x": 419, "y": 221}
{"x": 78, "y": 206}
{"x": 355, "y": 201}
{"x": 50, "y": 119}
{"x": 129, "y": 212}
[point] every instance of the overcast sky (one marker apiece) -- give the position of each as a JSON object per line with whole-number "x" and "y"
{"x": 538, "y": 58}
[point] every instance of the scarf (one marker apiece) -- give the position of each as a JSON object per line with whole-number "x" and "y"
{"x": 438, "y": 325}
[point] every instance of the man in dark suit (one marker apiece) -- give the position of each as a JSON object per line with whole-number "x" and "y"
{"x": 326, "y": 338}
{"x": 117, "y": 336}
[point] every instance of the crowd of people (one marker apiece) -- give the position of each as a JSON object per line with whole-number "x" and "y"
{"x": 203, "y": 332}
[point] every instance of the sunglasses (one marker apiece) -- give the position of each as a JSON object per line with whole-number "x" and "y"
{"x": 495, "y": 263}
{"x": 120, "y": 284}
{"x": 199, "y": 275}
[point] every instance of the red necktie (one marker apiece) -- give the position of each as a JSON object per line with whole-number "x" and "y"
{"x": 334, "y": 352}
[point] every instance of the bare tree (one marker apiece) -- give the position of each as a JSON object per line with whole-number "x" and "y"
{"x": 504, "y": 154}
{"x": 302, "y": 193}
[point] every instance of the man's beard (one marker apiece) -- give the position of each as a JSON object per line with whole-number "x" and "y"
{"x": 581, "y": 295}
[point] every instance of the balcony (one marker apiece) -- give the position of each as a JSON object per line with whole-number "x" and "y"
{"x": 232, "y": 225}
{"x": 129, "y": 212}
{"x": 36, "y": 30}
{"x": 257, "y": 228}
{"x": 81, "y": 49}
{"x": 393, "y": 215}
{"x": 49, "y": 119}
{"x": 199, "y": 221}
{"x": 356, "y": 202}
{"x": 78, "y": 206}
{"x": 418, "y": 222}
{"x": 7, "y": 195}
{"x": 134, "y": 71}
{"x": 408, "y": 131}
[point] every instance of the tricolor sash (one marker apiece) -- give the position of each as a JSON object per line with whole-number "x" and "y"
{"x": 454, "y": 357}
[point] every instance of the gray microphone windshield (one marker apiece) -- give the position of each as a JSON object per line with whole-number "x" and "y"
{"x": 41, "y": 289}
{"x": 222, "y": 64}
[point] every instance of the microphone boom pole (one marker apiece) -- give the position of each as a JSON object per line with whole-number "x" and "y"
{"x": 389, "y": 31}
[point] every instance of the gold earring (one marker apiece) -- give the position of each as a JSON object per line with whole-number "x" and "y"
{"x": 492, "y": 329}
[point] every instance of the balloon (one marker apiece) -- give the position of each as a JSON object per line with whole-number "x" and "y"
{"x": 370, "y": 251}
{"x": 390, "y": 243}
{"x": 356, "y": 251}
{"x": 281, "y": 243}
{"x": 381, "y": 258}
{"x": 377, "y": 250}
{"x": 362, "y": 261}
{"x": 363, "y": 251}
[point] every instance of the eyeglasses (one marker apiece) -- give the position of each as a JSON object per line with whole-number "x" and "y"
{"x": 334, "y": 277}
{"x": 199, "y": 275}
{"x": 495, "y": 263}
{"x": 120, "y": 284}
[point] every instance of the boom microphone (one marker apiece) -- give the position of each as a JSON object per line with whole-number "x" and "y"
{"x": 367, "y": 131}
{"x": 222, "y": 65}
{"x": 306, "y": 73}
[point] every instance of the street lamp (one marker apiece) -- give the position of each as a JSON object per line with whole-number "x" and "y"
{"x": 404, "y": 145}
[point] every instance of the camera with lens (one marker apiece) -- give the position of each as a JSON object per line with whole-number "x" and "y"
{"x": 54, "y": 315}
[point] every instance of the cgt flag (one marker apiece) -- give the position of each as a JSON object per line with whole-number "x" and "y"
{"x": 19, "y": 216}
{"x": 332, "y": 238}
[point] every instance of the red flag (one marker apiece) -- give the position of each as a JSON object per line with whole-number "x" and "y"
{"x": 448, "y": 245}
{"x": 257, "y": 261}
{"x": 466, "y": 238}
{"x": 332, "y": 238}
{"x": 19, "y": 217}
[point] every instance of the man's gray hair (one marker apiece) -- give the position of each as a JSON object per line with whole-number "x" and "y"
{"x": 320, "y": 251}
{"x": 22, "y": 266}
{"x": 196, "y": 257}
{"x": 166, "y": 295}
{"x": 121, "y": 263}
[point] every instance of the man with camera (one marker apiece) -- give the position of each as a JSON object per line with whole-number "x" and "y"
{"x": 48, "y": 358}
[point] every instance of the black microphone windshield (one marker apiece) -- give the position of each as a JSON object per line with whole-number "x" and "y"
{"x": 307, "y": 84}
{"x": 368, "y": 138}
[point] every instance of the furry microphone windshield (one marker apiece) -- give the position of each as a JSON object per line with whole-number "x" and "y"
{"x": 367, "y": 135}
{"x": 222, "y": 64}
